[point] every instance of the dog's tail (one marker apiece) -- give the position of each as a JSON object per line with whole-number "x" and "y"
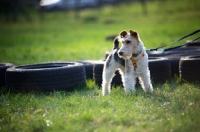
{"x": 116, "y": 43}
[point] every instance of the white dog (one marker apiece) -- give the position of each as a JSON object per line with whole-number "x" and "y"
{"x": 132, "y": 62}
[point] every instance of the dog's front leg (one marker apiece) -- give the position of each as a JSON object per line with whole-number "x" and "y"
{"x": 145, "y": 81}
{"x": 129, "y": 79}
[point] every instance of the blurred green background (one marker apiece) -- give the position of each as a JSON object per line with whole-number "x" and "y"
{"x": 37, "y": 35}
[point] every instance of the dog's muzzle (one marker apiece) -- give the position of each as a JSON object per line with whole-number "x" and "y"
{"x": 123, "y": 55}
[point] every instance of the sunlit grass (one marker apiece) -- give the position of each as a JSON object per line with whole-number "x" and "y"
{"x": 171, "y": 107}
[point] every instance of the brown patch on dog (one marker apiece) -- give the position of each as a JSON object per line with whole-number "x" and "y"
{"x": 116, "y": 43}
{"x": 123, "y": 34}
{"x": 134, "y": 34}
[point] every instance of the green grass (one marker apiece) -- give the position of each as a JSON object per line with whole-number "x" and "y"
{"x": 173, "y": 106}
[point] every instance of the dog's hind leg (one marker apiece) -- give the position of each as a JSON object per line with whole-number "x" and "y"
{"x": 108, "y": 73}
{"x": 122, "y": 72}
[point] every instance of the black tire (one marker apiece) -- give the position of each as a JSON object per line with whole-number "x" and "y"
{"x": 183, "y": 51}
{"x": 174, "y": 56}
{"x": 88, "y": 64}
{"x": 185, "y": 68}
{"x": 190, "y": 78}
{"x": 159, "y": 62}
{"x": 46, "y": 77}
{"x": 190, "y": 61}
{"x": 154, "y": 53}
{"x": 189, "y": 68}
{"x": 179, "y": 52}
{"x": 190, "y": 72}
{"x": 98, "y": 67}
{"x": 3, "y": 67}
{"x": 160, "y": 69}
{"x": 193, "y": 44}
{"x": 174, "y": 62}
{"x": 160, "y": 79}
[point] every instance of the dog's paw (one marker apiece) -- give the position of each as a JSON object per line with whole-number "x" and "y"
{"x": 129, "y": 91}
{"x": 105, "y": 91}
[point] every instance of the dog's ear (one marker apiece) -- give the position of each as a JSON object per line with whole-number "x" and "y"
{"x": 116, "y": 43}
{"x": 123, "y": 34}
{"x": 134, "y": 34}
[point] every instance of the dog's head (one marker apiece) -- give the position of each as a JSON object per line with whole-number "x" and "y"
{"x": 129, "y": 41}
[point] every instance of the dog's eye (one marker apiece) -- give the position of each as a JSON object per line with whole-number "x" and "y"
{"x": 127, "y": 41}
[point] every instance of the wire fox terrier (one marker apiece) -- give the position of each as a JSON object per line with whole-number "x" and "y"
{"x": 132, "y": 62}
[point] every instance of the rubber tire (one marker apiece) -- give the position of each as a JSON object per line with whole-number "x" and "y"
{"x": 98, "y": 67}
{"x": 160, "y": 69}
{"x": 46, "y": 77}
{"x": 174, "y": 57}
{"x": 3, "y": 67}
{"x": 193, "y": 44}
{"x": 189, "y": 68}
{"x": 155, "y": 53}
{"x": 174, "y": 62}
{"x": 88, "y": 64}
{"x": 175, "y": 52}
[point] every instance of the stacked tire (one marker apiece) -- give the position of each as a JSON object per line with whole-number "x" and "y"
{"x": 193, "y": 44}
{"x": 88, "y": 65}
{"x": 3, "y": 67}
{"x": 174, "y": 56}
{"x": 189, "y": 68}
{"x": 160, "y": 69}
{"x": 46, "y": 77}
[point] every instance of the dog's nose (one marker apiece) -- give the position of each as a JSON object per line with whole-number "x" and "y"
{"x": 121, "y": 53}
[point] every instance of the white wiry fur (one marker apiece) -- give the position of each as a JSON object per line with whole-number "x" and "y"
{"x": 132, "y": 47}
